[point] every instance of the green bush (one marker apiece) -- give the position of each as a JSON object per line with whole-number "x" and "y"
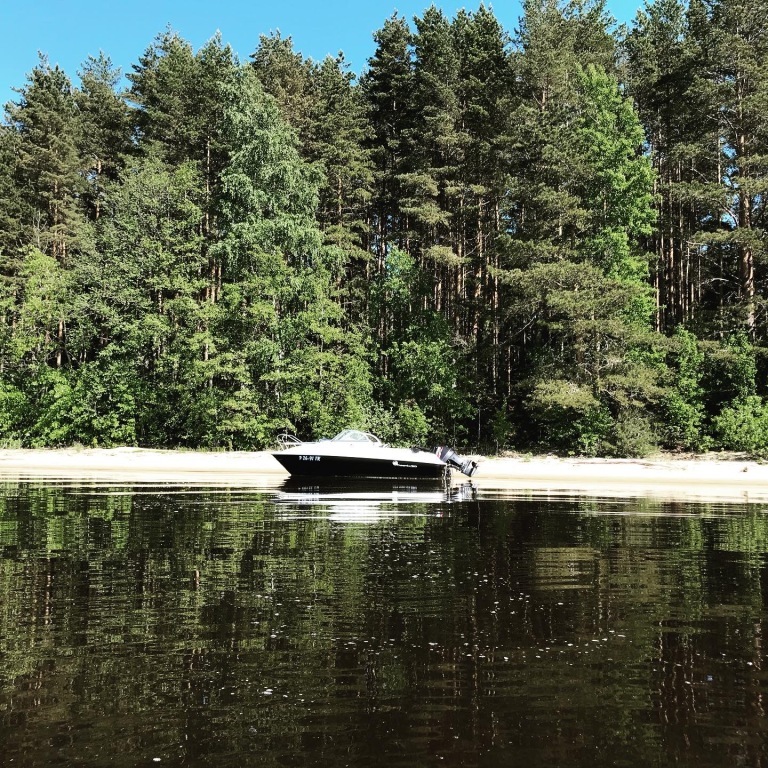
{"x": 414, "y": 425}
{"x": 569, "y": 417}
{"x": 684, "y": 407}
{"x": 92, "y": 406}
{"x": 13, "y": 407}
{"x": 382, "y": 422}
{"x": 634, "y": 435}
{"x": 743, "y": 425}
{"x": 502, "y": 429}
{"x": 684, "y": 423}
{"x": 406, "y": 426}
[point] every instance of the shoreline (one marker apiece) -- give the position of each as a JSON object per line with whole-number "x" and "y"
{"x": 698, "y": 478}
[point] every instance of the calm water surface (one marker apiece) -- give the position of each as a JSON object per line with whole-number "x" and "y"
{"x": 378, "y": 626}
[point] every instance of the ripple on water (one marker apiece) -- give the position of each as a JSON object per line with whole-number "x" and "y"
{"x": 377, "y": 626}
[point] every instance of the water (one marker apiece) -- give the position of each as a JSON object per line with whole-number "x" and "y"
{"x": 377, "y": 626}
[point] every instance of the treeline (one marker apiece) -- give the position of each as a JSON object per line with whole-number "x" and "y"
{"x": 552, "y": 239}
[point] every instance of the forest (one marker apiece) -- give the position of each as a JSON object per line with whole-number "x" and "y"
{"x": 550, "y": 238}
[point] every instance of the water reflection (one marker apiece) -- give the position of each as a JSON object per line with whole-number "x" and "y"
{"x": 368, "y": 501}
{"x": 203, "y": 626}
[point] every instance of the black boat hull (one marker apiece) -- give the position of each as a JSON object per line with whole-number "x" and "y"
{"x": 347, "y": 466}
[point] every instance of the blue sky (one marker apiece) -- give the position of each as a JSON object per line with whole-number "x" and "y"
{"x": 68, "y": 31}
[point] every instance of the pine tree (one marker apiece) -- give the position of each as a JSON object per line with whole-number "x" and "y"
{"x": 11, "y": 210}
{"x": 434, "y": 144}
{"x": 578, "y": 288}
{"x": 290, "y": 79}
{"x": 105, "y": 130}
{"x": 180, "y": 116}
{"x": 486, "y": 98}
{"x": 737, "y": 44}
{"x": 698, "y": 75}
{"x": 48, "y": 167}
{"x": 164, "y": 88}
{"x": 682, "y": 141}
{"x": 339, "y": 146}
{"x": 49, "y": 180}
{"x": 324, "y": 107}
{"x": 387, "y": 85}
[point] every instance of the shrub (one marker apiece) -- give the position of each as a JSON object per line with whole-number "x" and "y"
{"x": 634, "y": 435}
{"x": 684, "y": 404}
{"x": 414, "y": 425}
{"x": 743, "y": 425}
{"x": 13, "y": 406}
{"x": 92, "y": 406}
{"x": 406, "y": 426}
{"x": 569, "y": 417}
{"x": 502, "y": 429}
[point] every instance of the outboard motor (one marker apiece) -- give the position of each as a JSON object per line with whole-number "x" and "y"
{"x": 448, "y": 455}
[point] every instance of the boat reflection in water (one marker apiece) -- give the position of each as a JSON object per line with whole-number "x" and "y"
{"x": 364, "y": 501}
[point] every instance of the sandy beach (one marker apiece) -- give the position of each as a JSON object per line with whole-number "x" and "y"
{"x": 698, "y": 478}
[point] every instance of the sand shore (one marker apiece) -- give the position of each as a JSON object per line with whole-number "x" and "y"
{"x": 700, "y": 478}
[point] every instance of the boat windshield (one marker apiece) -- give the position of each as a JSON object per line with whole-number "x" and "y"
{"x": 355, "y": 436}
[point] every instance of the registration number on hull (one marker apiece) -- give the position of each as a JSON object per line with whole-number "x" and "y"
{"x": 309, "y": 458}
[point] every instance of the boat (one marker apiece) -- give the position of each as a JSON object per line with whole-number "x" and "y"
{"x": 354, "y": 453}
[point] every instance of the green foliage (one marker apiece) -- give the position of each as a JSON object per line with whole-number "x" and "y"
{"x": 569, "y": 417}
{"x": 48, "y": 164}
{"x": 406, "y": 425}
{"x": 42, "y": 306}
{"x": 91, "y": 406}
{"x": 289, "y": 79}
{"x": 14, "y": 408}
{"x": 575, "y": 273}
{"x": 634, "y": 435}
{"x": 743, "y": 426}
{"x": 53, "y": 398}
{"x": 502, "y": 429}
{"x": 424, "y": 361}
{"x": 684, "y": 404}
{"x": 382, "y": 422}
{"x": 617, "y": 179}
{"x": 457, "y": 244}
{"x": 323, "y": 392}
{"x": 104, "y": 129}
{"x": 413, "y": 423}
{"x": 736, "y": 367}
{"x": 742, "y": 421}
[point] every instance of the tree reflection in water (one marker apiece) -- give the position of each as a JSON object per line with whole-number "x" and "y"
{"x": 392, "y": 625}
